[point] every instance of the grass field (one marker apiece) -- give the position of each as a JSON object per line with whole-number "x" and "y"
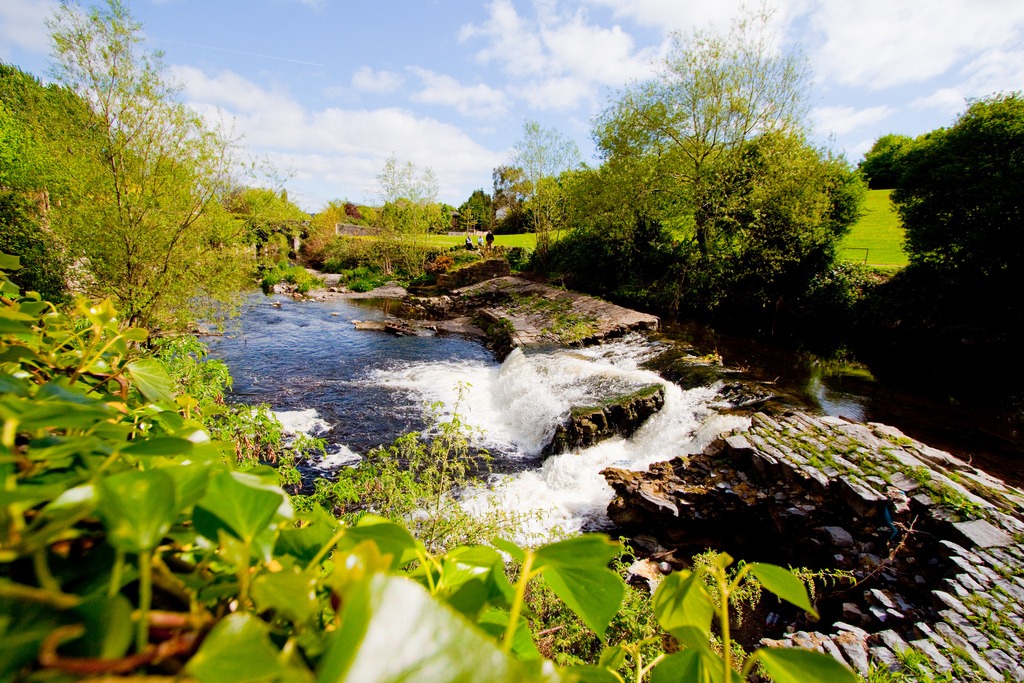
{"x": 877, "y": 238}
{"x": 528, "y": 240}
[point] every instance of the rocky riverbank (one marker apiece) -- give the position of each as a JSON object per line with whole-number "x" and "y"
{"x": 920, "y": 552}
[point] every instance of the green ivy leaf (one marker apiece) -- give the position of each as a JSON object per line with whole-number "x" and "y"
{"x": 158, "y": 446}
{"x": 291, "y": 593}
{"x": 425, "y": 641}
{"x": 238, "y": 503}
{"x": 139, "y": 508}
{"x": 152, "y": 380}
{"x": 593, "y": 593}
{"x": 784, "y": 584}
{"x": 697, "y": 665}
{"x": 510, "y": 548}
{"x": 108, "y": 627}
{"x": 238, "y": 649}
{"x": 682, "y": 606}
{"x": 794, "y": 665}
{"x": 392, "y": 539}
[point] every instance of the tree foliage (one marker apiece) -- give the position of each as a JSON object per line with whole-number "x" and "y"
{"x": 714, "y": 94}
{"x": 475, "y": 213}
{"x": 543, "y": 154}
{"x": 157, "y": 240}
{"x": 880, "y": 165}
{"x": 398, "y": 181}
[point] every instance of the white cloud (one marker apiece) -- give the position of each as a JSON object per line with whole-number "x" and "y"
{"x": 481, "y": 100}
{"x": 883, "y": 43}
{"x": 380, "y": 82}
{"x": 23, "y": 24}
{"x": 991, "y": 72}
{"x": 842, "y": 120}
{"x": 557, "y": 60}
{"x": 341, "y": 149}
{"x": 673, "y": 15}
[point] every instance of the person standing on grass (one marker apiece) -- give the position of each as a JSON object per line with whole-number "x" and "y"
{"x": 490, "y": 240}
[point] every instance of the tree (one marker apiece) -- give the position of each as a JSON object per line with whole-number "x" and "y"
{"x": 510, "y": 192}
{"x": 959, "y": 193}
{"x": 475, "y": 213}
{"x": 880, "y": 164}
{"x": 543, "y": 153}
{"x": 159, "y": 243}
{"x": 714, "y": 94}
{"x": 404, "y": 181}
{"x": 263, "y": 213}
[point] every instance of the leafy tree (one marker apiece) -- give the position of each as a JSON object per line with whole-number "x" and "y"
{"x": 880, "y": 164}
{"x": 158, "y": 240}
{"x": 510, "y": 192}
{"x": 959, "y": 194}
{"x": 959, "y": 198}
{"x": 542, "y": 154}
{"x": 398, "y": 181}
{"x": 263, "y": 213}
{"x": 714, "y": 94}
{"x": 475, "y": 213}
{"x": 22, "y": 233}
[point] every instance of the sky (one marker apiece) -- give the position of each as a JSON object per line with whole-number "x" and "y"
{"x": 327, "y": 90}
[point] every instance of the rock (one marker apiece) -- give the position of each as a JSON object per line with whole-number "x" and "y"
{"x": 473, "y": 273}
{"x": 839, "y": 536}
{"x": 617, "y": 416}
{"x": 981, "y": 534}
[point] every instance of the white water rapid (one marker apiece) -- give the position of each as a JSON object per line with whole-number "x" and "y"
{"x": 513, "y": 410}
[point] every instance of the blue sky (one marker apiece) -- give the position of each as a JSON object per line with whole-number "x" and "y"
{"x": 326, "y": 90}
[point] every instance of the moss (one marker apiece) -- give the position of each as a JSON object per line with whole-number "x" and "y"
{"x": 618, "y": 400}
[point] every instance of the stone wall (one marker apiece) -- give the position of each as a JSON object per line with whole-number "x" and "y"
{"x": 615, "y": 416}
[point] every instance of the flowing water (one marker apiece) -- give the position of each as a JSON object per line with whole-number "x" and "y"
{"x": 358, "y": 389}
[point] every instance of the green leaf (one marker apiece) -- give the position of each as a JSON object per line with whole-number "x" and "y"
{"x": 238, "y": 503}
{"x": 157, "y": 446}
{"x": 784, "y": 584}
{"x": 588, "y": 674}
{"x": 594, "y": 594}
{"x": 291, "y": 593}
{"x": 9, "y": 261}
{"x": 108, "y": 627}
{"x": 613, "y": 657}
{"x": 682, "y": 603}
{"x": 510, "y": 548}
{"x": 392, "y": 539}
{"x": 794, "y": 665}
{"x": 690, "y": 666}
{"x": 152, "y": 380}
{"x": 189, "y": 483}
{"x": 493, "y": 622}
{"x": 139, "y": 508}
{"x": 576, "y": 570}
{"x": 238, "y": 649}
{"x": 393, "y": 631}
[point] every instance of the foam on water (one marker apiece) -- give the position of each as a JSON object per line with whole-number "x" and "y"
{"x": 515, "y": 407}
{"x": 306, "y": 422}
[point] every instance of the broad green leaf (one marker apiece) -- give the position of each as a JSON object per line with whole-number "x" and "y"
{"x": 588, "y": 674}
{"x": 21, "y": 632}
{"x": 784, "y": 584}
{"x": 303, "y": 543}
{"x": 108, "y": 627}
{"x": 135, "y": 334}
{"x": 63, "y": 415}
{"x": 577, "y": 571}
{"x": 9, "y": 262}
{"x": 157, "y": 446}
{"x": 392, "y": 539}
{"x": 613, "y": 657}
{"x": 681, "y": 603}
{"x": 242, "y": 505}
{"x": 493, "y": 622}
{"x": 290, "y": 593}
{"x": 8, "y": 326}
{"x": 139, "y": 508}
{"x": 794, "y": 665}
{"x": 691, "y": 666}
{"x": 499, "y": 590}
{"x": 152, "y": 380}
{"x": 238, "y": 649}
{"x": 510, "y": 548}
{"x": 593, "y": 593}
{"x": 588, "y": 550}
{"x": 398, "y": 633}
{"x": 189, "y": 483}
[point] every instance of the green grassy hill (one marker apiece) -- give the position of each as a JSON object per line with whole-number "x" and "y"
{"x": 877, "y": 238}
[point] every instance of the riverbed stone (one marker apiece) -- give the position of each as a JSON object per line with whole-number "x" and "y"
{"x": 931, "y": 570}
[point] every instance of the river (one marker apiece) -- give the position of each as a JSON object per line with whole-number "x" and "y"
{"x": 358, "y": 389}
